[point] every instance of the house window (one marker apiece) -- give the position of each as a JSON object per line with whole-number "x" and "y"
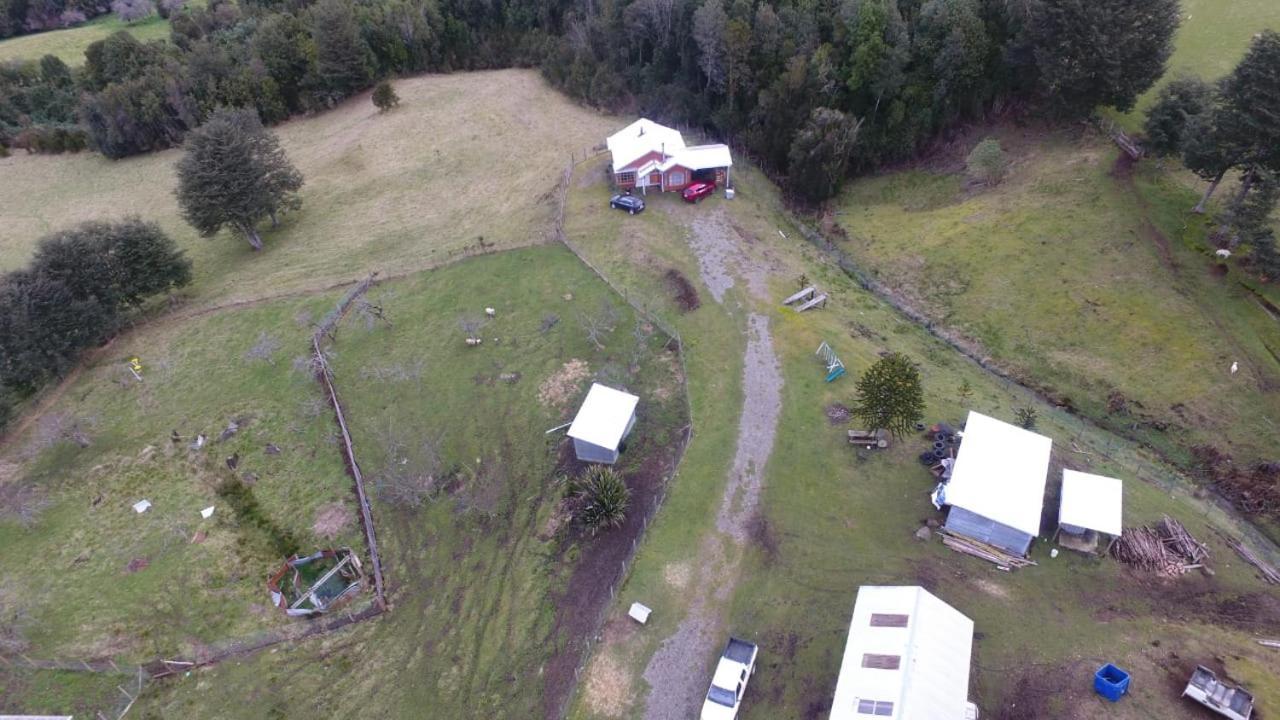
{"x": 875, "y": 707}
{"x": 677, "y": 178}
{"x": 626, "y": 178}
{"x": 881, "y": 662}
{"x": 888, "y": 620}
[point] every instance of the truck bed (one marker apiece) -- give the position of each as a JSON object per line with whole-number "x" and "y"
{"x": 740, "y": 651}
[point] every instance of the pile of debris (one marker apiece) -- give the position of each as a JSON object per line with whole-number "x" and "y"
{"x": 1269, "y": 573}
{"x": 1167, "y": 548}
{"x": 990, "y": 553}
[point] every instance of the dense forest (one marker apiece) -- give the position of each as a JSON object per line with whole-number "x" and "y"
{"x": 798, "y": 83}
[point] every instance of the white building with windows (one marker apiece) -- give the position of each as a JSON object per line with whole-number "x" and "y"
{"x": 907, "y": 657}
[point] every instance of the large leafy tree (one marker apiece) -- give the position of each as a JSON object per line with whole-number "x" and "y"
{"x": 235, "y": 173}
{"x": 343, "y": 61}
{"x": 1099, "y": 52}
{"x": 1176, "y": 104}
{"x": 820, "y": 153}
{"x": 890, "y": 396}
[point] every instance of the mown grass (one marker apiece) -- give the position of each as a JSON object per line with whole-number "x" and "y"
{"x": 478, "y": 571}
{"x": 836, "y": 520}
{"x": 202, "y": 580}
{"x": 460, "y": 163}
{"x": 1099, "y": 292}
{"x": 1212, "y": 38}
{"x": 69, "y": 44}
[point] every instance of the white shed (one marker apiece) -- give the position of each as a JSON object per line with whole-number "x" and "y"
{"x": 996, "y": 490}
{"x": 907, "y": 657}
{"x": 602, "y": 423}
{"x": 1091, "y": 505}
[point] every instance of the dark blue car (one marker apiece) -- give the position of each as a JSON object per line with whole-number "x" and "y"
{"x": 630, "y": 203}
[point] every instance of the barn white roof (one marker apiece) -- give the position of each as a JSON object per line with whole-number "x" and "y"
{"x": 604, "y": 416}
{"x": 1091, "y": 501}
{"x": 1000, "y": 473}
{"x": 640, "y": 137}
{"x": 933, "y": 652}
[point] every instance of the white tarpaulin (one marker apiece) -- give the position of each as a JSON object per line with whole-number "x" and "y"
{"x": 605, "y": 417}
{"x": 1000, "y": 473}
{"x": 1092, "y": 502}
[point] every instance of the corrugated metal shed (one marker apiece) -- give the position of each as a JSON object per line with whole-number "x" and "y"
{"x": 1092, "y": 502}
{"x": 930, "y": 643}
{"x": 1000, "y": 473}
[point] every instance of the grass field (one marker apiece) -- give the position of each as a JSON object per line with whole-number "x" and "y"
{"x": 833, "y": 521}
{"x": 1213, "y": 37}
{"x": 479, "y": 572}
{"x": 69, "y": 44}
{"x": 394, "y": 192}
{"x": 90, "y": 576}
{"x": 1093, "y": 284}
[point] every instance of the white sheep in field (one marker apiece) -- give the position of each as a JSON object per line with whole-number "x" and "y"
{"x": 1223, "y": 254}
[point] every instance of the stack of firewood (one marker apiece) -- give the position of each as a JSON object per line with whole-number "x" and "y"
{"x": 990, "y": 553}
{"x": 1167, "y": 549}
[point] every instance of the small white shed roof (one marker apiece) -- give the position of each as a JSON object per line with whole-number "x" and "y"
{"x": 1091, "y": 501}
{"x": 1000, "y": 473}
{"x": 932, "y": 643}
{"x": 700, "y": 157}
{"x": 640, "y": 137}
{"x": 604, "y": 416}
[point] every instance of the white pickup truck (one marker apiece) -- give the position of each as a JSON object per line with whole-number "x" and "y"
{"x": 734, "y": 669}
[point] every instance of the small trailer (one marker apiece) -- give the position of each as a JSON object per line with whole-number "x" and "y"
{"x": 1226, "y": 700}
{"x": 733, "y": 670}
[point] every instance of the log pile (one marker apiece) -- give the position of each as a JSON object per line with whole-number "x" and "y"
{"x": 978, "y": 549}
{"x": 1269, "y": 573}
{"x": 1167, "y": 548}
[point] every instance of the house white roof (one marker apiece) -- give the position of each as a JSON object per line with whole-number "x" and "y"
{"x": 604, "y": 416}
{"x": 1091, "y": 501}
{"x": 933, "y": 651}
{"x": 640, "y": 137}
{"x": 1000, "y": 473}
{"x": 699, "y": 157}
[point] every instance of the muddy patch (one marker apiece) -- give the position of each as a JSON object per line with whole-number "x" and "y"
{"x": 332, "y": 520}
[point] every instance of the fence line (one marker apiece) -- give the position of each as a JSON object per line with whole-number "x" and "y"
{"x": 628, "y": 562}
{"x": 325, "y": 375}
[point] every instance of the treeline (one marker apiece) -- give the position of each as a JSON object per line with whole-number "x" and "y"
{"x": 75, "y": 293}
{"x": 814, "y": 88}
{"x": 277, "y": 58}
{"x": 18, "y": 17}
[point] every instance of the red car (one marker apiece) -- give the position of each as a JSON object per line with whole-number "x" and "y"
{"x": 697, "y": 191}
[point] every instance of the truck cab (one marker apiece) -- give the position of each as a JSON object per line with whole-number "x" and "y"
{"x": 733, "y": 670}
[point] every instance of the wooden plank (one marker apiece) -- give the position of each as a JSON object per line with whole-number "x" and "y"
{"x": 807, "y": 292}
{"x": 820, "y": 300}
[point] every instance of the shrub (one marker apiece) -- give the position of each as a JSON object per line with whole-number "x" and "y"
{"x": 1027, "y": 418}
{"x": 600, "y": 498}
{"x": 384, "y": 96}
{"x": 131, "y": 10}
{"x": 987, "y": 162}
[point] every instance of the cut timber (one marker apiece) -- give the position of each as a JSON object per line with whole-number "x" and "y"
{"x": 978, "y": 549}
{"x": 1269, "y": 573}
{"x": 820, "y": 301}
{"x": 805, "y": 293}
{"x": 869, "y": 438}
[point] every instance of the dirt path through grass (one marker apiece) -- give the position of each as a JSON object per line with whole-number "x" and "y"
{"x": 676, "y": 673}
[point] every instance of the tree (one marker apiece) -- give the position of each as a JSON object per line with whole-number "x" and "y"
{"x": 117, "y": 264}
{"x": 710, "y": 29}
{"x": 599, "y": 498}
{"x": 132, "y": 10}
{"x": 1099, "y": 52}
{"x": 1264, "y": 257}
{"x": 384, "y": 96}
{"x": 1207, "y": 151}
{"x": 343, "y": 63}
{"x": 233, "y": 172}
{"x": 285, "y": 49}
{"x": 987, "y": 162}
{"x": 890, "y": 396}
{"x": 819, "y": 155}
{"x": 1176, "y": 104}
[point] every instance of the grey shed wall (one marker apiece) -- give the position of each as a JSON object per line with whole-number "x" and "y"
{"x": 594, "y": 453}
{"x": 989, "y": 531}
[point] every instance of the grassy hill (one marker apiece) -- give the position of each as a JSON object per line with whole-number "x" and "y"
{"x": 69, "y": 43}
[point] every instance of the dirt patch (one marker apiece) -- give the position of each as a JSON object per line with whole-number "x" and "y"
{"x": 722, "y": 255}
{"x": 838, "y": 414}
{"x": 607, "y": 686}
{"x": 991, "y": 588}
{"x": 1048, "y": 691}
{"x": 677, "y": 575}
{"x": 564, "y": 384}
{"x": 137, "y": 565}
{"x": 683, "y": 291}
{"x": 332, "y": 520}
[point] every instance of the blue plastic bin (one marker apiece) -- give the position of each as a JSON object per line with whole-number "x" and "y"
{"x": 1111, "y": 682}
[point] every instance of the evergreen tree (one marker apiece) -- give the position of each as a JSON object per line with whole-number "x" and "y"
{"x": 890, "y": 396}
{"x": 343, "y": 64}
{"x": 234, "y": 173}
{"x": 284, "y": 47}
{"x": 1176, "y": 104}
{"x": 820, "y": 153}
{"x": 384, "y": 96}
{"x": 987, "y": 162}
{"x": 1099, "y": 52}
